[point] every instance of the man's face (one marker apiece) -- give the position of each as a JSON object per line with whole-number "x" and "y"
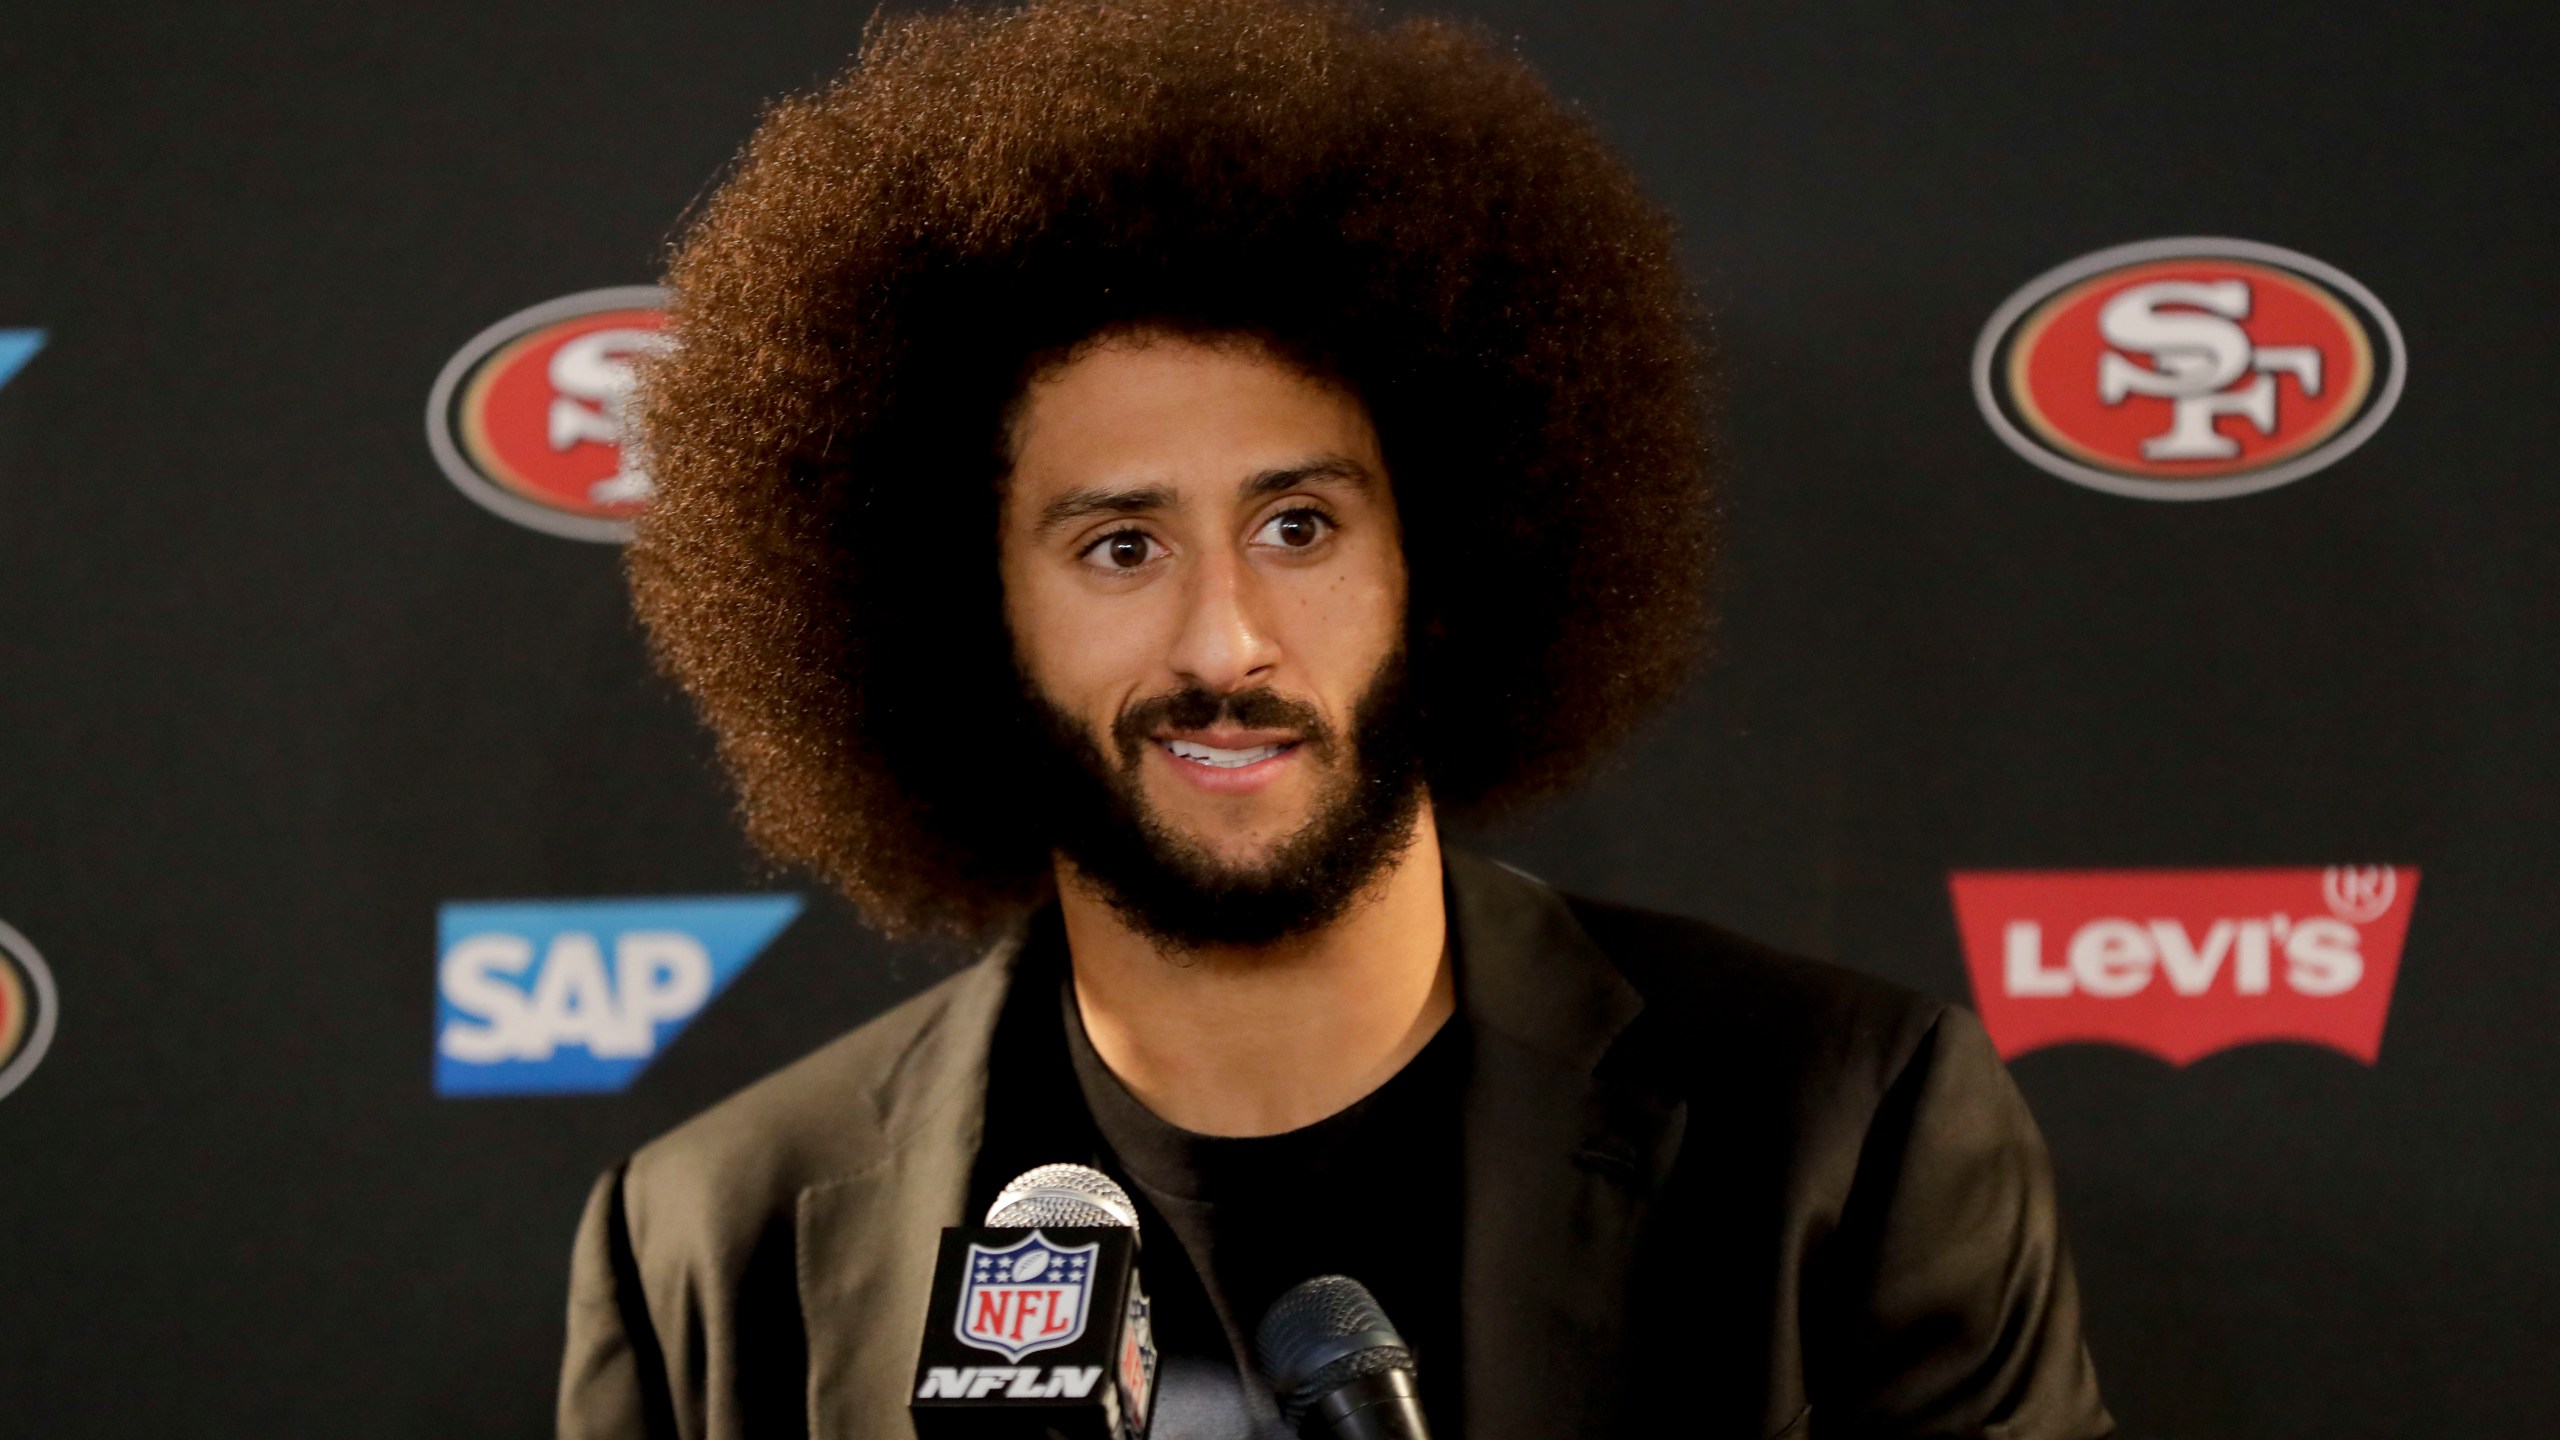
{"x": 1206, "y": 589}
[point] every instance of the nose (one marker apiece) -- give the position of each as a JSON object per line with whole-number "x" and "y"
{"x": 1224, "y": 644}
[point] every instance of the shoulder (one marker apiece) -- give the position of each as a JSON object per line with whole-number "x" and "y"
{"x": 1716, "y": 1001}
{"x": 1708, "y": 975}
{"x": 692, "y": 1243}
{"x": 835, "y": 1112}
{"x": 1904, "y": 1196}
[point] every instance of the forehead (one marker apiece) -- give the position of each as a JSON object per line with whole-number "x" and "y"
{"x": 1167, "y": 410}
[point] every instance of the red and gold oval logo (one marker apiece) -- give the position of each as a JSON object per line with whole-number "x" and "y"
{"x": 2188, "y": 369}
{"x": 27, "y": 1009}
{"x": 527, "y": 419}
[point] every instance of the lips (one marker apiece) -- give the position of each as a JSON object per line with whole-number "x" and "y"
{"x": 1223, "y": 758}
{"x": 1229, "y": 760}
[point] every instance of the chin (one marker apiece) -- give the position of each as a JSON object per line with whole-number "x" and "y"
{"x": 1239, "y": 854}
{"x": 1239, "y": 830}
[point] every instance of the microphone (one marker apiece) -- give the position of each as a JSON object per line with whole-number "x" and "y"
{"x": 1337, "y": 1364}
{"x": 1075, "y": 1196}
{"x": 1053, "y": 1273}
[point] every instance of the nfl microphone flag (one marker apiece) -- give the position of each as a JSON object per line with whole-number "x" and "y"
{"x": 1054, "y": 1297}
{"x": 1033, "y": 1332}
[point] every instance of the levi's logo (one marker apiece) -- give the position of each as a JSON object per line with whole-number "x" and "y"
{"x": 2182, "y": 963}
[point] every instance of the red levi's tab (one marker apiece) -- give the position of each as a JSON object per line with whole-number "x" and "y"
{"x": 2179, "y": 964}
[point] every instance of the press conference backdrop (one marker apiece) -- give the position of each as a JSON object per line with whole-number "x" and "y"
{"x": 365, "y": 894}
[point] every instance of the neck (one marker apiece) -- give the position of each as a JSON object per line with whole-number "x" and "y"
{"x": 1258, "y": 1039}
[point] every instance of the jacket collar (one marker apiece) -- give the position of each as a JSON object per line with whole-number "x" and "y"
{"x": 1526, "y": 968}
{"x": 1561, "y": 1163}
{"x": 866, "y": 1240}
{"x": 1563, "y": 1159}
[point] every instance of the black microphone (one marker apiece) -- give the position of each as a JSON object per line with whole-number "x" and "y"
{"x": 1053, "y": 1274}
{"x": 1337, "y": 1364}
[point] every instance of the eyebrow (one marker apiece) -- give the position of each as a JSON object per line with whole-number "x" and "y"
{"x": 1084, "y": 504}
{"x": 1100, "y": 500}
{"x": 1289, "y": 477}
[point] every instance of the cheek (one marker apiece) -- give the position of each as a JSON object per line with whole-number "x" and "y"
{"x": 1083, "y": 652}
{"x": 1346, "y": 621}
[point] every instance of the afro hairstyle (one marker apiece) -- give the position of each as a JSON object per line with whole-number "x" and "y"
{"x": 1403, "y": 209}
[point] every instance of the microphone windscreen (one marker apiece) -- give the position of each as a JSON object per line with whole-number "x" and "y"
{"x": 1066, "y": 1196}
{"x": 1321, "y": 1335}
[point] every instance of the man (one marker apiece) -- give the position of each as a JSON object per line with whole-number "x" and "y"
{"x": 1127, "y": 473}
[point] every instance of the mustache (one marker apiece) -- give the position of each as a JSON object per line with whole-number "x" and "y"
{"x": 1195, "y": 708}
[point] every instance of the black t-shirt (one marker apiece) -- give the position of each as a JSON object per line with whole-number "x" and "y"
{"x": 1226, "y": 1225}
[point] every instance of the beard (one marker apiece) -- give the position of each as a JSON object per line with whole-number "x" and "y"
{"x": 1177, "y": 892}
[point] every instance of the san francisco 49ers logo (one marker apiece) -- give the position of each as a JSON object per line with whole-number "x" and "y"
{"x": 2188, "y": 369}
{"x": 528, "y": 418}
{"x": 27, "y": 1009}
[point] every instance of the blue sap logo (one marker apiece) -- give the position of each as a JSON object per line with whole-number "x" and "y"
{"x": 17, "y": 347}
{"x": 578, "y": 996}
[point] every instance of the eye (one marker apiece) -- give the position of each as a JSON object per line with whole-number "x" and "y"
{"x": 1122, "y": 550}
{"x": 1295, "y": 529}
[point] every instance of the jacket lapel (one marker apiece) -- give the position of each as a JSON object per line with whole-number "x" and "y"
{"x": 866, "y": 1241}
{"x": 1562, "y": 1160}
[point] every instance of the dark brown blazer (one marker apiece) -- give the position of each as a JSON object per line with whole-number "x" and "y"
{"x": 1711, "y": 1191}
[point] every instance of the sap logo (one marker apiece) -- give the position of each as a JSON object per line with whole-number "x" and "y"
{"x": 17, "y": 347}
{"x": 2182, "y": 963}
{"x": 569, "y": 997}
{"x": 2188, "y": 369}
{"x": 1013, "y": 1382}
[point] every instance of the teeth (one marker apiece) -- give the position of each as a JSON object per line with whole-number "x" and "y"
{"x": 1223, "y": 759}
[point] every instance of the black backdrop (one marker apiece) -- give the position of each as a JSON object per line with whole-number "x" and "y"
{"x": 270, "y": 689}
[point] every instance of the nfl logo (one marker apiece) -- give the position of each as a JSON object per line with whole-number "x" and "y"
{"x": 1028, "y": 1296}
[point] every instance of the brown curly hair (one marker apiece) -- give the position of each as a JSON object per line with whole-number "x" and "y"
{"x": 1402, "y": 209}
